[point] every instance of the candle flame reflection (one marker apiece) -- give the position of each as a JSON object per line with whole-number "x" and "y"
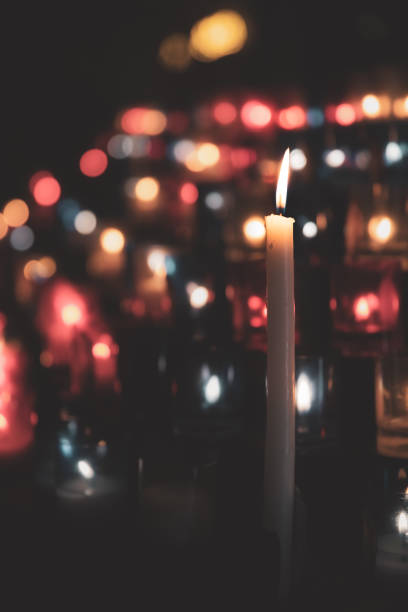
{"x": 282, "y": 186}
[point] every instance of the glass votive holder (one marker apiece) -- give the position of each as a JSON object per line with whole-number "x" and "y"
{"x": 392, "y": 523}
{"x": 90, "y": 479}
{"x": 391, "y": 380}
{"x": 365, "y": 304}
{"x": 315, "y": 415}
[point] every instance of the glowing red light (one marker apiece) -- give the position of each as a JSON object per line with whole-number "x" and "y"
{"x": 330, "y": 113}
{"x": 46, "y": 190}
{"x": 292, "y": 118}
{"x": 242, "y": 158}
{"x": 364, "y": 306}
{"x": 256, "y": 321}
{"x": 255, "y": 115}
{"x": 132, "y": 120}
{"x": 345, "y": 114}
{"x": 93, "y": 162}
{"x": 101, "y": 350}
{"x": 333, "y": 303}
{"x": 3, "y": 423}
{"x": 225, "y": 113}
{"x": 188, "y": 193}
{"x": 255, "y": 302}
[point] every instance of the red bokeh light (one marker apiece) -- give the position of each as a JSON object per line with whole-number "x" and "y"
{"x": 93, "y": 162}
{"x": 188, "y": 193}
{"x": 225, "y": 113}
{"x": 292, "y": 118}
{"x": 132, "y": 121}
{"x": 46, "y": 190}
{"x": 345, "y": 114}
{"x": 242, "y": 158}
{"x": 255, "y": 302}
{"x": 256, "y": 321}
{"x": 364, "y": 306}
{"x": 256, "y": 115}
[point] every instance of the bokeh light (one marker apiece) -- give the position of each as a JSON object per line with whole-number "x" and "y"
{"x": 393, "y": 153}
{"x": 212, "y": 389}
{"x": 22, "y": 238}
{"x": 315, "y": 117}
{"x": 345, "y": 114}
{"x": 46, "y": 190}
{"x": 147, "y": 189}
{"x": 365, "y": 305}
{"x": 254, "y": 230}
{"x": 334, "y": 158}
{"x": 85, "y": 222}
{"x": 297, "y": 159}
{"x": 101, "y": 350}
{"x": 71, "y": 314}
{"x": 292, "y": 118}
{"x": 183, "y": 149}
{"x": 188, "y": 193}
{"x": 381, "y": 228}
{"x": 156, "y": 261}
{"x": 214, "y": 200}
{"x": 112, "y": 240}
{"x": 309, "y": 230}
{"x": 217, "y": 35}
{"x": 371, "y": 106}
{"x": 3, "y": 226}
{"x": 225, "y": 113}
{"x": 16, "y": 213}
{"x": 400, "y": 107}
{"x": 208, "y": 154}
{"x": 174, "y": 52}
{"x": 39, "y": 269}
{"x": 143, "y": 121}
{"x": 120, "y": 146}
{"x": 256, "y": 115}
{"x": 93, "y": 162}
{"x": 199, "y": 297}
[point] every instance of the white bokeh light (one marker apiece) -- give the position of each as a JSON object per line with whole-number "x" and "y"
{"x": 85, "y": 222}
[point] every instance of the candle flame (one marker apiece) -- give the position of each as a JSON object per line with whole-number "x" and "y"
{"x": 282, "y": 186}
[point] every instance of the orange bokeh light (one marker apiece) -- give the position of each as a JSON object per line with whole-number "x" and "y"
{"x": 16, "y": 213}
{"x": 364, "y": 306}
{"x": 292, "y": 118}
{"x": 143, "y": 121}
{"x": 3, "y": 226}
{"x": 256, "y": 115}
{"x": 93, "y": 162}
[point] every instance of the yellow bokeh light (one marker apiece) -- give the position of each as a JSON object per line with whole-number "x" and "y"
{"x": 39, "y": 269}
{"x": 16, "y": 213}
{"x": 371, "y": 106}
{"x": 174, "y": 52}
{"x": 208, "y": 154}
{"x": 156, "y": 261}
{"x": 381, "y": 229}
{"x": 112, "y": 240}
{"x": 199, "y": 297}
{"x": 71, "y": 314}
{"x": 3, "y": 226}
{"x": 217, "y": 35}
{"x": 254, "y": 230}
{"x": 147, "y": 189}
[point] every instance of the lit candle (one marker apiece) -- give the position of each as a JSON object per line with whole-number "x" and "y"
{"x": 280, "y": 419}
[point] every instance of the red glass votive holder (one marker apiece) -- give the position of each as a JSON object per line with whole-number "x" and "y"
{"x": 365, "y": 304}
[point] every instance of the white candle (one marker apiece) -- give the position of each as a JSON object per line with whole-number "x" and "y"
{"x": 280, "y": 418}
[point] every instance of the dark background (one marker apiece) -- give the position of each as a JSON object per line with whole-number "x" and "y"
{"x": 67, "y": 69}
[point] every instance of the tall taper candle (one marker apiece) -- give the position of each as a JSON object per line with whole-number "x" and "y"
{"x": 280, "y": 418}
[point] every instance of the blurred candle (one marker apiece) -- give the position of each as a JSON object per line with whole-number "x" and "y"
{"x": 280, "y": 420}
